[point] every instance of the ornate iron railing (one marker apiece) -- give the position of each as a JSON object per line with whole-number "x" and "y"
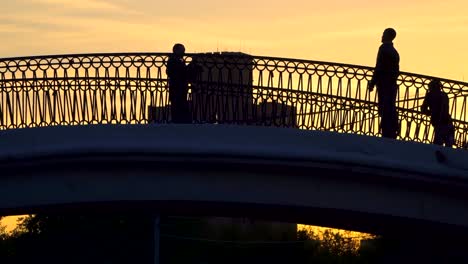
{"x": 233, "y": 88}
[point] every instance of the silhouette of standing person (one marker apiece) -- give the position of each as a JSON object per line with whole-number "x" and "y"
{"x": 178, "y": 85}
{"x": 385, "y": 78}
{"x": 436, "y": 104}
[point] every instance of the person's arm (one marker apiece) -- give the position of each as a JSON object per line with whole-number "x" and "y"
{"x": 445, "y": 106}
{"x": 425, "y": 106}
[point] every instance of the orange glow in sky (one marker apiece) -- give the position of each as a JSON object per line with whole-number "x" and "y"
{"x": 432, "y": 34}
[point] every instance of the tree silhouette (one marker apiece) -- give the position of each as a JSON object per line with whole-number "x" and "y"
{"x": 129, "y": 239}
{"x": 81, "y": 239}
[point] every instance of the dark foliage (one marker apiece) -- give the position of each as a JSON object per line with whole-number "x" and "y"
{"x": 129, "y": 239}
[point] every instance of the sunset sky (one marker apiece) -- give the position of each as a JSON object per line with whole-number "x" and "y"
{"x": 432, "y": 34}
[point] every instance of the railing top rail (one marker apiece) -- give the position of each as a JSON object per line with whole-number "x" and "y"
{"x": 99, "y": 54}
{"x": 255, "y": 57}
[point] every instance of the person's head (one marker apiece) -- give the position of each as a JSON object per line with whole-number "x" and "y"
{"x": 389, "y": 35}
{"x": 178, "y": 49}
{"x": 435, "y": 86}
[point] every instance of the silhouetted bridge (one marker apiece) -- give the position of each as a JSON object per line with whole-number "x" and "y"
{"x": 335, "y": 179}
{"x": 233, "y": 89}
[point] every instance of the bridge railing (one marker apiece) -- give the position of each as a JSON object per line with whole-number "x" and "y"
{"x": 232, "y": 88}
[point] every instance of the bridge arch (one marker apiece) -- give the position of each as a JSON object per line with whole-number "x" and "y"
{"x": 331, "y": 179}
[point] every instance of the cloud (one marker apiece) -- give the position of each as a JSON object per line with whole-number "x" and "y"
{"x": 81, "y": 4}
{"x": 18, "y": 24}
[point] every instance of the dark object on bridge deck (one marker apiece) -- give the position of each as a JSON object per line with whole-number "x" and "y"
{"x": 436, "y": 104}
{"x": 178, "y": 75}
{"x": 221, "y": 95}
{"x": 157, "y": 114}
{"x": 385, "y": 77}
{"x": 222, "y": 87}
{"x": 264, "y": 114}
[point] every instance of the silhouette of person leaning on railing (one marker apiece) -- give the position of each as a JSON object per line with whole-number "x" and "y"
{"x": 436, "y": 104}
{"x": 178, "y": 75}
{"x": 385, "y": 78}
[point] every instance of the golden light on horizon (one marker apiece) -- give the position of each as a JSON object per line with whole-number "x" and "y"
{"x": 10, "y": 222}
{"x": 319, "y": 231}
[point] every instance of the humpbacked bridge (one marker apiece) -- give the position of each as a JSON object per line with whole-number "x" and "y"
{"x": 284, "y": 139}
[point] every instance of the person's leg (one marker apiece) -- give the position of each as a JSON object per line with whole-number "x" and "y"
{"x": 388, "y": 119}
{"x": 395, "y": 123}
{"x": 174, "y": 114}
{"x": 185, "y": 106}
{"x": 177, "y": 117}
{"x": 380, "y": 99}
{"x": 450, "y": 136}
{"x": 385, "y": 121}
{"x": 438, "y": 135}
{"x": 393, "y": 112}
{"x": 185, "y": 112}
{"x": 387, "y": 111}
{"x": 382, "y": 109}
{"x": 196, "y": 105}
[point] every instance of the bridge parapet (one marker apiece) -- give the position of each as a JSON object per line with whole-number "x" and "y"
{"x": 328, "y": 179}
